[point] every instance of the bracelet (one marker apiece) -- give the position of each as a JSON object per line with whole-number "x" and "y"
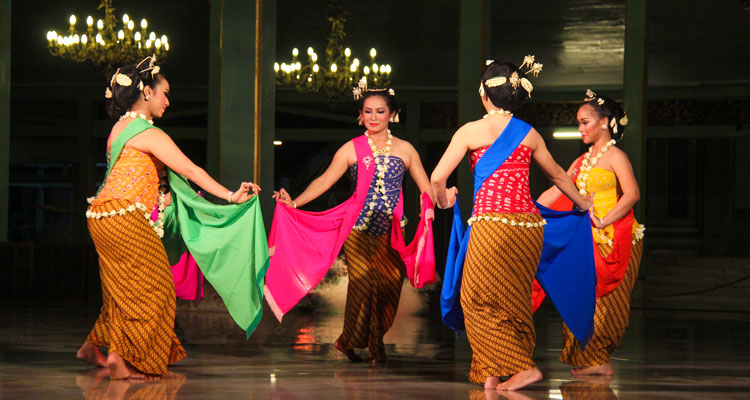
{"x": 229, "y": 196}
{"x": 294, "y": 204}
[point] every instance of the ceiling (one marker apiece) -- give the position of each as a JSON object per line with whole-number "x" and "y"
{"x": 580, "y": 42}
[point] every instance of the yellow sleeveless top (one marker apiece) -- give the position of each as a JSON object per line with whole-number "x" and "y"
{"x": 134, "y": 177}
{"x": 603, "y": 183}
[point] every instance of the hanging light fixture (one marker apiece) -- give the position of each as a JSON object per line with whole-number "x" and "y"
{"x": 104, "y": 43}
{"x": 340, "y": 71}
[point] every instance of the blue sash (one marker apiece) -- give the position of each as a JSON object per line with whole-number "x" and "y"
{"x": 565, "y": 271}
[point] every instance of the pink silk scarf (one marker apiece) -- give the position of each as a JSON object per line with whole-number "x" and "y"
{"x": 304, "y": 244}
{"x": 188, "y": 278}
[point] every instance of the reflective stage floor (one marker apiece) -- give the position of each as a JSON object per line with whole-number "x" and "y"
{"x": 665, "y": 355}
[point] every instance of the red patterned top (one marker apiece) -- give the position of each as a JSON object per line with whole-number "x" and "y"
{"x": 507, "y": 189}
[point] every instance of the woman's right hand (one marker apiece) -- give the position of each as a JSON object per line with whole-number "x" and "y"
{"x": 246, "y": 191}
{"x": 283, "y": 196}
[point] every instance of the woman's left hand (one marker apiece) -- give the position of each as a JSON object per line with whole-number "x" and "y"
{"x": 596, "y": 221}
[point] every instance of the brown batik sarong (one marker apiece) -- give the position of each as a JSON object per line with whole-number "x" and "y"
{"x": 138, "y": 311}
{"x": 501, "y": 261}
{"x": 376, "y": 274}
{"x": 610, "y": 318}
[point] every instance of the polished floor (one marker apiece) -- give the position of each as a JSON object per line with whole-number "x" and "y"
{"x": 666, "y": 354}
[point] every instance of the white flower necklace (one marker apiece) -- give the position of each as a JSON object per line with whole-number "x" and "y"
{"x": 381, "y": 167}
{"x": 498, "y": 112}
{"x": 589, "y": 163}
{"x": 133, "y": 114}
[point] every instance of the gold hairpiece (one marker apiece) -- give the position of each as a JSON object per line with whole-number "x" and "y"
{"x": 589, "y": 95}
{"x": 600, "y": 101}
{"x": 495, "y": 81}
{"x": 359, "y": 90}
{"x": 123, "y": 80}
{"x": 526, "y": 84}
{"x": 624, "y": 120}
{"x": 528, "y": 61}
{"x": 514, "y": 80}
{"x": 107, "y": 93}
{"x": 534, "y": 68}
{"x": 613, "y": 124}
{"x": 488, "y": 62}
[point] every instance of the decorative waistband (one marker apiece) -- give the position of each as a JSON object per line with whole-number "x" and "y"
{"x": 157, "y": 225}
{"x": 508, "y": 221}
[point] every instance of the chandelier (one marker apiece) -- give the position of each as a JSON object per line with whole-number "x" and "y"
{"x": 106, "y": 44}
{"x": 339, "y": 73}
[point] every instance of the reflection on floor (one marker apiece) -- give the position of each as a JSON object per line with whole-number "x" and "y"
{"x": 665, "y": 355}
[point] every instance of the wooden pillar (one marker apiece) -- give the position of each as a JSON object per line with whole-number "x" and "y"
{"x": 4, "y": 116}
{"x": 242, "y": 94}
{"x": 474, "y": 42}
{"x": 635, "y": 80}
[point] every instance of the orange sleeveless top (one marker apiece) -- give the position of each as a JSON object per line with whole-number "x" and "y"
{"x": 134, "y": 177}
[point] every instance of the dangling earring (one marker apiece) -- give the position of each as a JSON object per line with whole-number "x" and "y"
{"x": 395, "y": 119}
{"x": 359, "y": 120}
{"x": 391, "y": 120}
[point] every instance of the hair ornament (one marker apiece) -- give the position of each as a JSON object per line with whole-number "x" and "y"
{"x": 613, "y": 124}
{"x": 488, "y": 62}
{"x": 514, "y": 80}
{"x": 122, "y": 79}
{"x": 600, "y": 101}
{"x": 495, "y": 81}
{"x": 140, "y": 86}
{"x": 528, "y": 61}
{"x": 590, "y": 95}
{"x": 107, "y": 93}
{"x": 526, "y": 84}
{"x": 360, "y": 89}
{"x": 391, "y": 92}
{"x": 534, "y": 68}
{"x": 114, "y": 78}
{"x": 624, "y": 120}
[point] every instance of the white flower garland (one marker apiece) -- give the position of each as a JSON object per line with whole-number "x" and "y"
{"x": 510, "y": 222}
{"x": 588, "y": 163}
{"x": 499, "y": 112}
{"x": 381, "y": 168}
{"x": 133, "y": 114}
{"x": 157, "y": 226}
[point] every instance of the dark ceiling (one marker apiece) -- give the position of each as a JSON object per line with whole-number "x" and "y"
{"x": 580, "y": 42}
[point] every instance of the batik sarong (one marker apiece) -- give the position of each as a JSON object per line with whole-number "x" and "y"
{"x": 376, "y": 275}
{"x": 499, "y": 269}
{"x": 138, "y": 311}
{"x": 610, "y": 318}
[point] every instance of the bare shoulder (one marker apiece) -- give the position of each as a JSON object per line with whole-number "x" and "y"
{"x": 533, "y": 139}
{"x": 618, "y": 155}
{"x": 346, "y": 153}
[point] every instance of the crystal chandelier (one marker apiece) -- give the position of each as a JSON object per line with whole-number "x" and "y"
{"x": 339, "y": 73}
{"x": 106, "y": 44}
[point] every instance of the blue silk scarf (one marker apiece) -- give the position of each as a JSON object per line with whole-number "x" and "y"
{"x": 566, "y": 269}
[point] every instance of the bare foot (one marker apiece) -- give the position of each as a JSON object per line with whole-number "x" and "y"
{"x": 521, "y": 379}
{"x": 91, "y": 354}
{"x": 491, "y": 382}
{"x": 604, "y": 369}
{"x": 349, "y": 353}
{"x": 119, "y": 369}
